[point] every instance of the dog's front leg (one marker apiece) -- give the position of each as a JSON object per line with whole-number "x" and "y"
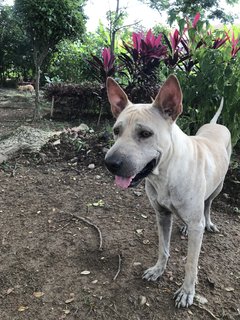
{"x": 184, "y": 296}
{"x": 164, "y": 222}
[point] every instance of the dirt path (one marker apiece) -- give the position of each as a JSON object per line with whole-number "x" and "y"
{"x": 46, "y": 251}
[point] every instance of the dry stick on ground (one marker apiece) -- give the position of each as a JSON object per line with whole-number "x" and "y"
{"x": 119, "y": 267}
{"x": 93, "y": 225}
{"x": 208, "y": 311}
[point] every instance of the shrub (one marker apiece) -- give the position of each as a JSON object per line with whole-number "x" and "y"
{"x": 73, "y": 101}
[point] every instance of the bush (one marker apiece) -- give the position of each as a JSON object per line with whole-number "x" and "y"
{"x": 73, "y": 101}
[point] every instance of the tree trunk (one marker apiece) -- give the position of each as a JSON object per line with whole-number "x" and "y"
{"x": 37, "y": 113}
{"x": 38, "y": 61}
{"x": 113, "y": 28}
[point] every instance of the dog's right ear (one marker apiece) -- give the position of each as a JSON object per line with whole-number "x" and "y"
{"x": 116, "y": 96}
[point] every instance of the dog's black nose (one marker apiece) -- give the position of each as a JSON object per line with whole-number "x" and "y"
{"x": 113, "y": 164}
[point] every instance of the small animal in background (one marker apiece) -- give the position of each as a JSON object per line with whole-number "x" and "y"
{"x": 26, "y": 88}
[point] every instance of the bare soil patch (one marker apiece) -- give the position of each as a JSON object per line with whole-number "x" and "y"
{"x": 45, "y": 248}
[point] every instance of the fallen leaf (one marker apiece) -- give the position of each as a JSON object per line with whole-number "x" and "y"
{"x": 69, "y": 300}
{"x": 38, "y": 294}
{"x": 136, "y": 263}
{"x": 67, "y": 311}
{"x": 201, "y": 299}
{"x": 94, "y": 281}
{"x": 10, "y": 290}
{"x": 85, "y": 272}
{"x": 22, "y": 308}
{"x": 139, "y": 231}
{"x": 146, "y": 241}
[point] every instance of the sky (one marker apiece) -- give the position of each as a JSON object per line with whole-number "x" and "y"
{"x": 137, "y": 11}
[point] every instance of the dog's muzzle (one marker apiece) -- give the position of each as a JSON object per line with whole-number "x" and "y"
{"x": 124, "y": 177}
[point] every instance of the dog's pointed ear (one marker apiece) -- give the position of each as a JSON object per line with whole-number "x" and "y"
{"x": 116, "y": 96}
{"x": 169, "y": 98}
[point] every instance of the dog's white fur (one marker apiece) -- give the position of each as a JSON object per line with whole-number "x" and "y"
{"x": 189, "y": 174}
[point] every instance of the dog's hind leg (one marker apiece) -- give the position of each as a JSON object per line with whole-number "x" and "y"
{"x": 209, "y": 226}
{"x": 164, "y": 222}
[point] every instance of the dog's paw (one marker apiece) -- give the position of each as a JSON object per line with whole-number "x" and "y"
{"x": 153, "y": 273}
{"x": 183, "y": 298}
{"x": 211, "y": 227}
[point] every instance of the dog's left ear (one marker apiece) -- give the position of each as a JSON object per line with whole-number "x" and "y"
{"x": 116, "y": 96}
{"x": 169, "y": 98}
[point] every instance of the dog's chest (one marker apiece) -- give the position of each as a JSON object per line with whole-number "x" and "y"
{"x": 161, "y": 193}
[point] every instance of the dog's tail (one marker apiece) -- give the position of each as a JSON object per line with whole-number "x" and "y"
{"x": 217, "y": 114}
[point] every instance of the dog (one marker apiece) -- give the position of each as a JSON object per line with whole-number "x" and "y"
{"x": 183, "y": 174}
{"x": 26, "y": 88}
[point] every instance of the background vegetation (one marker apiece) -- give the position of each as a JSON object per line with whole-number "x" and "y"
{"x": 46, "y": 43}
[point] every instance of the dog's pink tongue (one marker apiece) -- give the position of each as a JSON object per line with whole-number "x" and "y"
{"x": 123, "y": 182}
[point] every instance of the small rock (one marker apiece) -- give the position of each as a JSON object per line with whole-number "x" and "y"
{"x": 105, "y": 150}
{"x": 57, "y": 142}
{"x": 91, "y": 166}
{"x": 83, "y": 127}
{"x": 137, "y": 193}
{"x": 142, "y": 300}
{"x": 98, "y": 177}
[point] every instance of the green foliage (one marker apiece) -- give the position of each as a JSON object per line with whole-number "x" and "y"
{"x": 210, "y": 9}
{"x": 214, "y": 74}
{"x": 68, "y": 62}
{"x": 48, "y": 22}
{"x": 14, "y": 54}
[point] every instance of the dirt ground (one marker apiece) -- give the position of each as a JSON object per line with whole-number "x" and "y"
{"x": 52, "y": 265}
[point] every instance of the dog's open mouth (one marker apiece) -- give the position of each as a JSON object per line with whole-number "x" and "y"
{"x": 135, "y": 180}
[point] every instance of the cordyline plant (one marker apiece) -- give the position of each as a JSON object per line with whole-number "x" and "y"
{"x": 103, "y": 67}
{"x": 139, "y": 64}
{"x": 185, "y": 41}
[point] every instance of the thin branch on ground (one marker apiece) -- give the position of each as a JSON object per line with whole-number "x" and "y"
{"x": 62, "y": 227}
{"x": 208, "y": 311}
{"x": 91, "y": 224}
{"x": 119, "y": 267}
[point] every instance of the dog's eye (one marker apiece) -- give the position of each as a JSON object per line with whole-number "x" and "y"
{"x": 145, "y": 134}
{"x": 116, "y": 131}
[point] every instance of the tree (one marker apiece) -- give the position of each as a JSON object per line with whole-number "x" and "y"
{"x": 116, "y": 23}
{"x": 46, "y": 23}
{"x": 210, "y": 9}
{"x": 11, "y": 39}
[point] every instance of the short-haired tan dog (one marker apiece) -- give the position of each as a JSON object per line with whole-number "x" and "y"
{"x": 183, "y": 174}
{"x": 26, "y": 88}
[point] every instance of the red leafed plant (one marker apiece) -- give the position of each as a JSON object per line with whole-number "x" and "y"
{"x": 104, "y": 67}
{"x": 139, "y": 64}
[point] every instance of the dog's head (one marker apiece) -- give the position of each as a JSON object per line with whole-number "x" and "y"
{"x": 142, "y": 132}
